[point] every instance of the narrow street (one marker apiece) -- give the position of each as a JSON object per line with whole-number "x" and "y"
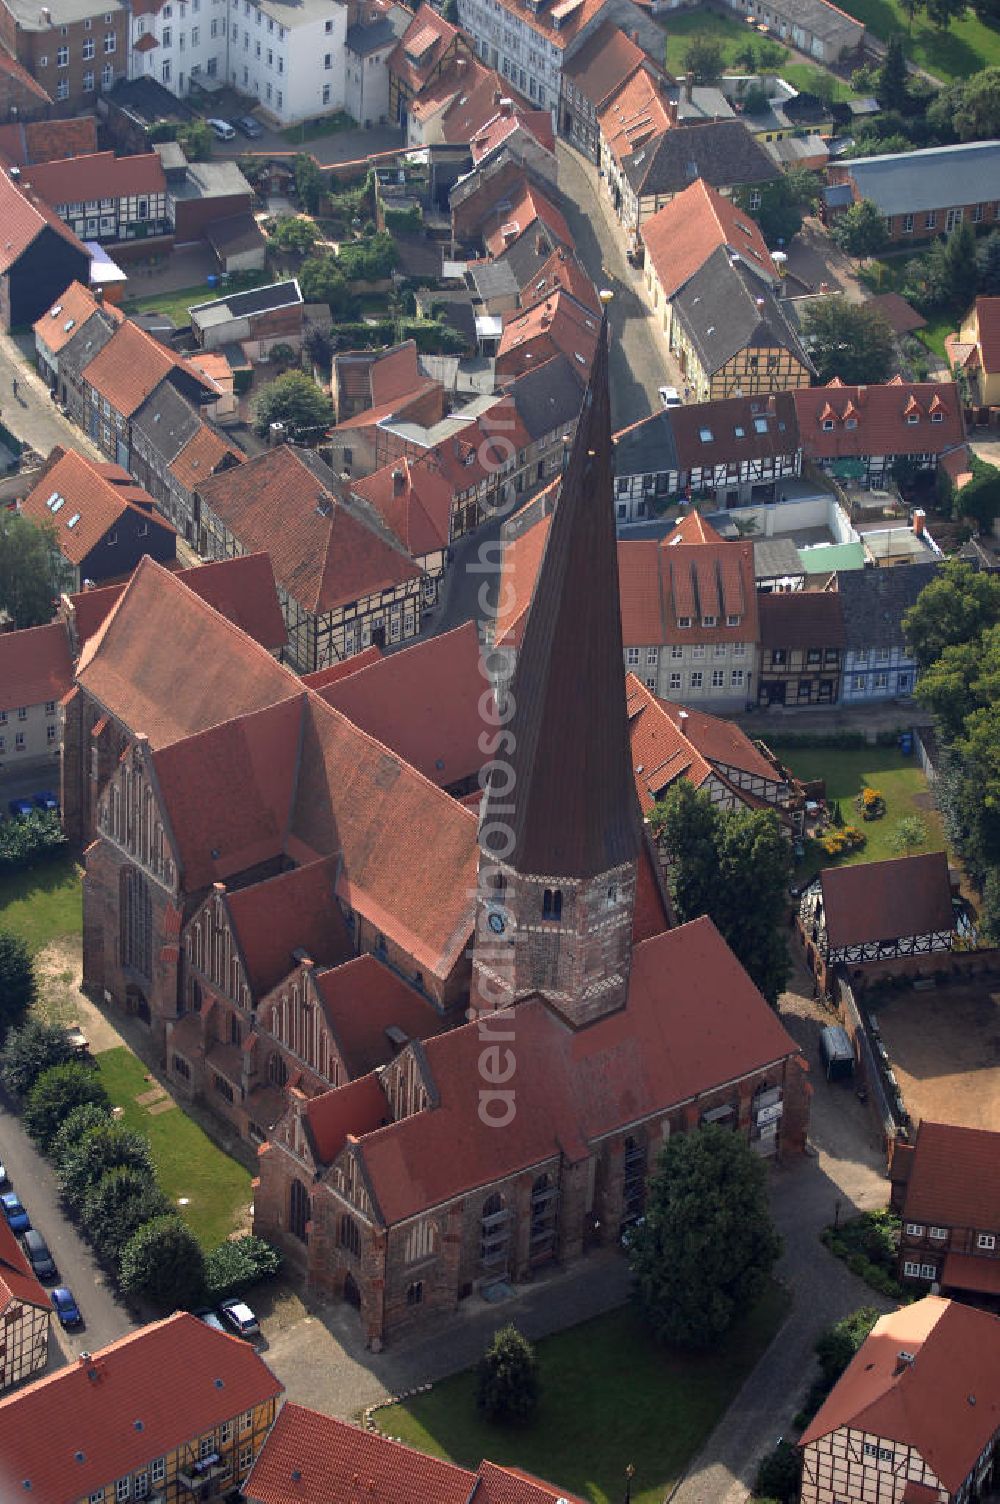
{"x": 31, "y": 415}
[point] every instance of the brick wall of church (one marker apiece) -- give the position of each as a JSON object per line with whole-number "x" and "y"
{"x": 90, "y": 753}
{"x": 449, "y": 994}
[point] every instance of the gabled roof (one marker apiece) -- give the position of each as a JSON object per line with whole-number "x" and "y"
{"x": 661, "y": 753}
{"x": 23, "y": 217}
{"x": 478, "y": 92}
{"x": 421, "y": 47}
{"x": 732, "y": 429}
{"x": 874, "y": 602}
{"x": 108, "y": 1413}
{"x": 879, "y": 418}
{"x": 132, "y": 364}
{"x": 559, "y": 325}
{"x": 561, "y": 271}
{"x": 414, "y": 501}
{"x": 681, "y": 236}
{"x": 166, "y": 421}
{"x": 202, "y": 455}
{"x": 35, "y": 666}
{"x": 723, "y": 152}
{"x": 99, "y": 175}
{"x": 546, "y": 397}
{"x": 954, "y": 1177}
{"x": 988, "y": 325}
{"x": 361, "y": 1001}
{"x": 699, "y": 576}
{"x": 725, "y": 308}
{"x": 604, "y": 61}
{"x": 517, "y": 215}
{"x": 934, "y": 178}
{"x": 18, "y": 1284}
{"x": 693, "y": 1018}
{"x": 509, "y": 123}
{"x": 325, "y": 549}
{"x": 560, "y": 23}
{"x": 906, "y": 895}
{"x": 801, "y": 618}
{"x": 309, "y": 1458}
{"x": 81, "y": 506}
{"x": 720, "y": 742}
{"x": 942, "y": 1399}
{"x": 68, "y": 314}
{"x": 295, "y": 911}
{"x": 635, "y": 113}
{"x": 20, "y": 76}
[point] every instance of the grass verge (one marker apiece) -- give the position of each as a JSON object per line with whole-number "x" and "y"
{"x": 732, "y": 34}
{"x": 963, "y": 49}
{"x": 188, "y": 1164}
{"x": 610, "y": 1396}
{"x": 177, "y": 305}
{"x": 44, "y": 903}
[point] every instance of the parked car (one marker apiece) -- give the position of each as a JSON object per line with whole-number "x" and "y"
{"x": 47, "y": 800}
{"x": 20, "y": 807}
{"x": 3, "y": 1173}
{"x": 670, "y": 397}
{"x": 39, "y": 1256}
{"x": 221, "y": 129}
{"x": 240, "y": 1317}
{"x": 65, "y": 1306}
{"x": 209, "y": 1317}
{"x": 77, "y": 1041}
{"x": 17, "y": 1218}
{"x": 248, "y": 126}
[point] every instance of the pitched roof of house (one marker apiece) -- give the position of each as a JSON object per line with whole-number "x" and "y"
{"x": 725, "y": 308}
{"x": 518, "y": 214}
{"x": 801, "y": 618}
{"x": 561, "y": 270}
{"x": 875, "y": 600}
{"x": 295, "y": 911}
{"x": 414, "y": 501}
{"x": 52, "y": 140}
{"x": 309, "y": 1458}
{"x": 635, "y": 113}
{"x": 696, "y": 575}
{"x": 954, "y": 1177}
{"x": 661, "y": 753}
{"x": 361, "y": 1001}
{"x": 326, "y": 550}
{"x": 68, "y": 314}
{"x": 98, "y": 175}
{"x": 132, "y": 364}
{"x": 558, "y": 25}
{"x": 579, "y": 820}
{"x": 900, "y": 315}
{"x": 693, "y": 1019}
{"x": 943, "y": 1399}
{"x": 35, "y": 665}
{"x": 20, "y": 76}
{"x": 17, "y": 1278}
{"x": 906, "y": 895}
{"x": 933, "y": 178}
{"x": 723, "y": 152}
{"x": 108, "y": 1413}
{"x": 81, "y": 506}
{"x": 475, "y": 93}
{"x": 603, "y": 62}
{"x": 137, "y": 662}
{"x": 559, "y": 325}
{"x": 202, "y": 455}
{"x": 873, "y": 419}
{"x": 988, "y": 322}
{"x": 734, "y": 429}
{"x": 681, "y": 236}
{"x": 421, "y": 47}
{"x": 720, "y": 742}
{"x": 322, "y": 678}
{"x": 499, "y": 129}
{"x": 547, "y": 395}
{"x": 24, "y": 215}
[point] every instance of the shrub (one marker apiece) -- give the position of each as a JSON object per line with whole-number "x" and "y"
{"x": 162, "y": 1262}
{"x": 871, "y": 803}
{"x": 234, "y": 1266}
{"x": 75, "y": 1126}
{"x": 121, "y": 1202}
{"x": 507, "y": 1386}
{"x": 780, "y": 1474}
{"x": 104, "y": 1148}
{"x": 18, "y": 987}
{"x": 30, "y": 839}
{"x": 838, "y": 1344}
{"x": 29, "y": 1051}
{"x": 54, "y": 1095}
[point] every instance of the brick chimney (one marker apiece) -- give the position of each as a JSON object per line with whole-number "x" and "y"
{"x": 672, "y": 111}
{"x": 507, "y": 107}
{"x": 688, "y": 86}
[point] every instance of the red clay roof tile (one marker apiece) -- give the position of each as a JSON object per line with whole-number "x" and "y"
{"x": 360, "y": 1001}
{"x": 880, "y": 417}
{"x": 71, "y": 486}
{"x": 681, "y": 236}
{"x": 35, "y": 666}
{"x": 954, "y": 1177}
{"x": 100, "y": 175}
{"x": 906, "y": 895}
{"x": 296, "y": 910}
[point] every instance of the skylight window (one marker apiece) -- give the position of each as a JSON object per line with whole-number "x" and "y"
{"x": 56, "y": 311}
{"x": 59, "y": 502}
{"x": 705, "y": 435}
{"x": 72, "y": 522}
{"x": 740, "y": 433}
{"x": 68, "y": 325}
{"x": 760, "y": 424}
{"x": 52, "y": 498}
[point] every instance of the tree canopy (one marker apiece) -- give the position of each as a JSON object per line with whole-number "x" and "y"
{"x": 55, "y": 1093}
{"x": 309, "y": 182}
{"x": 892, "y": 90}
{"x": 849, "y": 340}
{"x": 969, "y": 109}
{"x": 32, "y": 571}
{"x": 734, "y": 866}
{"x": 293, "y": 232}
{"x": 707, "y": 1245}
{"x": 162, "y": 1262}
{"x": 116, "y": 1206}
{"x": 704, "y": 57}
{"x": 782, "y": 203}
{"x": 95, "y": 1153}
{"x": 955, "y": 608}
{"x": 860, "y": 230}
{"x": 507, "y": 1381}
{"x": 18, "y": 986}
{"x": 295, "y": 400}
{"x": 28, "y": 1051}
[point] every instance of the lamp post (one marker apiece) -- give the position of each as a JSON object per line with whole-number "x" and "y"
{"x": 629, "y": 1475}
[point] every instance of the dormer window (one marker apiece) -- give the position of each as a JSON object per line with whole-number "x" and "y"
{"x": 733, "y": 621}
{"x": 850, "y": 422}
{"x": 913, "y": 419}
{"x": 937, "y": 417}
{"x": 683, "y": 621}
{"x": 709, "y": 621}
{"x": 827, "y": 425}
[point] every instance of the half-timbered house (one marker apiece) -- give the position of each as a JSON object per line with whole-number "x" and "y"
{"x": 25, "y": 1310}
{"x": 861, "y": 431}
{"x": 913, "y": 1419}
{"x": 946, "y": 1190}
{"x": 802, "y": 638}
{"x": 877, "y": 913}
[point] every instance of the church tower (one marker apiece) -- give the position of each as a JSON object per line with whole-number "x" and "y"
{"x": 560, "y": 830}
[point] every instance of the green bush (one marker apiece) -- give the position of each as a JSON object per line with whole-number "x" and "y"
{"x": 122, "y": 1201}
{"x": 55, "y": 1094}
{"x": 74, "y": 1127}
{"x": 103, "y": 1149}
{"x": 162, "y": 1262}
{"x": 30, "y": 838}
{"x": 507, "y": 1386}
{"x": 236, "y": 1265}
{"x": 18, "y": 985}
{"x": 780, "y": 1474}
{"x": 30, "y": 1050}
{"x": 838, "y": 1344}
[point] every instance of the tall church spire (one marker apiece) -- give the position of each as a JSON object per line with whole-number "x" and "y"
{"x": 560, "y": 839}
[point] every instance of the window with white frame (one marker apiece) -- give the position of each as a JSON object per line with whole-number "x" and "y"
{"x": 62, "y": 89}
{"x": 89, "y": 49}
{"x": 246, "y": 1421}
{"x": 736, "y": 677}
{"x": 915, "y": 1229}
{"x": 928, "y": 1271}
{"x": 697, "y": 679}
{"x": 632, "y": 657}
{"x": 739, "y": 649}
{"x": 733, "y": 621}
{"x": 677, "y": 651}
{"x": 158, "y": 1469}
{"x": 225, "y": 1433}
{"x": 246, "y": 1456}
{"x": 708, "y": 621}
{"x": 675, "y": 681}
{"x": 860, "y": 683}
{"x": 110, "y": 42}
{"x": 683, "y": 621}
{"x": 50, "y": 734}
{"x": 206, "y": 1447}
{"x": 939, "y": 1233}
{"x": 62, "y": 57}
{"x": 141, "y": 1485}
{"x": 123, "y": 1489}
{"x": 652, "y": 657}
{"x": 718, "y": 678}
{"x": 986, "y": 1240}
{"x": 883, "y": 1454}
{"x": 698, "y": 650}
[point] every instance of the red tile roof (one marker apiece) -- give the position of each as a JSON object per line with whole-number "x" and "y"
{"x": 558, "y": 24}
{"x": 35, "y": 666}
{"x": 423, "y": 703}
{"x": 906, "y": 895}
{"x": 522, "y": 559}
{"x": 670, "y": 1043}
{"x": 988, "y": 322}
{"x": 414, "y": 501}
{"x": 76, "y": 489}
{"x": 295, "y": 911}
{"x": 721, "y": 741}
{"x": 681, "y": 236}
{"x": 20, "y": 75}
{"x": 559, "y": 325}
{"x": 69, "y": 1433}
{"x": 660, "y": 752}
{"x": 73, "y": 308}
{"x": 48, "y": 140}
{"x": 802, "y": 618}
{"x": 499, "y": 128}
{"x": 562, "y": 270}
{"x": 880, "y": 415}
{"x": 954, "y": 1177}
{"x": 606, "y": 59}
{"x": 100, "y": 175}
{"x": 925, "y": 1403}
{"x": 509, "y": 224}
{"x": 17, "y": 1280}
{"x": 201, "y": 456}
{"x": 324, "y": 677}
{"x": 131, "y": 365}
{"x": 360, "y": 1001}
{"x": 634, "y": 112}
{"x": 325, "y": 551}
{"x": 421, "y": 47}
{"x": 966, "y": 1271}
{"x": 23, "y": 217}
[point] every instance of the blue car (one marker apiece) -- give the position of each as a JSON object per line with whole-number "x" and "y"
{"x": 20, "y": 807}
{"x": 47, "y": 800}
{"x": 65, "y": 1306}
{"x": 17, "y": 1218}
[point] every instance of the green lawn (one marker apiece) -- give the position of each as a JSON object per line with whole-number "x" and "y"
{"x": 936, "y": 332}
{"x": 187, "y": 1162}
{"x": 610, "y": 1396}
{"x": 45, "y": 903}
{"x": 803, "y": 76}
{"x": 901, "y": 781}
{"x": 964, "y": 48}
{"x": 730, "y": 32}
{"x": 176, "y": 305}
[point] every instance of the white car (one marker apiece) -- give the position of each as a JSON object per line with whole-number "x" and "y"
{"x": 240, "y": 1317}
{"x": 670, "y": 397}
{"x": 222, "y": 129}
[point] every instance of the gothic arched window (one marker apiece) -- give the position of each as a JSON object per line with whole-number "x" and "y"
{"x": 136, "y": 920}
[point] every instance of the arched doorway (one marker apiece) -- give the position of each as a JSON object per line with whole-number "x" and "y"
{"x": 136, "y": 1005}
{"x": 351, "y": 1292}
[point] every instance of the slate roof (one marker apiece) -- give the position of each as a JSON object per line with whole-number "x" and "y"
{"x": 906, "y": 895}
{"x": 166, "y": 421}
{"x": 647, "y": 446}
{"x": 548, "y": 396}
{"x": 723, "y": 152}
{"x": 363, "y": 39}
{"x": 720, "y": 310}
{"x": 874, "y": 602}
{"x": 492, "y": 279}
{"x": 939, "y": 177}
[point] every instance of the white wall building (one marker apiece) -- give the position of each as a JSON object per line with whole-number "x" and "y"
{"x": 175, "y": 41}
{"x": 290, "y": 56}
{"x": 527, "y": 46}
